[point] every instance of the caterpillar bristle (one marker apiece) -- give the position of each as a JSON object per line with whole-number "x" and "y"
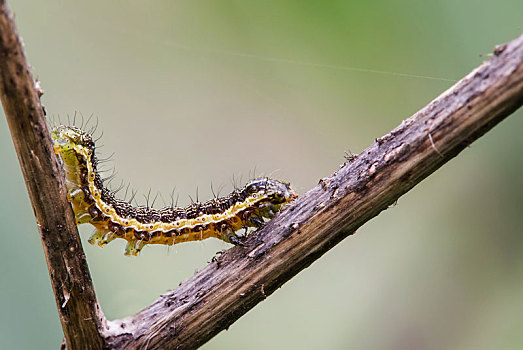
{"x": 249, "y": 206}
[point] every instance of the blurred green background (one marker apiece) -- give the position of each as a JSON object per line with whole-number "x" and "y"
{"x": 193, "y": 92}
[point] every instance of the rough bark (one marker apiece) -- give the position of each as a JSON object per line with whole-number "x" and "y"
{"x": 243, "y": 276}
{"x": 363, "y": 187}
{"x": 82, "y": 321}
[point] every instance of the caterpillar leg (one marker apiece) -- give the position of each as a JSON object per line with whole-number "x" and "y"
{"x": 106, "y": 238}
{"x": 76, "y": 195}
{"x": 102, "y": 236}
{"x": 236, "y": 241}
{"x": 256, "y": 222}
{"x": 81, "y": 217}
{"x": 269, "y": 210}
{"x": 97, "y": 235}
{"x": 230, "y": 237}
{"x": 270, "y": 213}
{"x": 134, "y": 247}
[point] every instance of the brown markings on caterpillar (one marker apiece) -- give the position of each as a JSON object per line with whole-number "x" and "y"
{"x": 113, "y": 218}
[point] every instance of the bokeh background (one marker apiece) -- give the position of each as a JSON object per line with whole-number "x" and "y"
{"x": 189, "y": 93}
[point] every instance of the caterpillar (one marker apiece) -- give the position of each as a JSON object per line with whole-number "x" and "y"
{"x": 221, "y": 217}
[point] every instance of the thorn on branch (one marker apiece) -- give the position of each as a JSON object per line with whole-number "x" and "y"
{"x": 434, "y": 146}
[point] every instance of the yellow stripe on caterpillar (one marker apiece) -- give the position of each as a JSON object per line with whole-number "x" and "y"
{"x": 113, "y": 218}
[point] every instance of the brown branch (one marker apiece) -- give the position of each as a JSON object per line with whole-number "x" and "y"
{"x": 82, "y": 321}
{"x": 363, "y": 187}
{"x": 243, "y": 276}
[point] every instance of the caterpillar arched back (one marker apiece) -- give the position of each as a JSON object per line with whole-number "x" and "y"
{"x": 113, "y": 218}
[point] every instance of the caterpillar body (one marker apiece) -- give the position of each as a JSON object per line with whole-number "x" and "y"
{"x": 221, "y": 217}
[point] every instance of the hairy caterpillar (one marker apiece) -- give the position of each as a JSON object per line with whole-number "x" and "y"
{"x": 113, "y": 218}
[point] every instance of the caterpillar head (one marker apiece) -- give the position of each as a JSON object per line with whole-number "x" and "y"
{"x": 277, "y": 192}
{"x": 66, "y": 138}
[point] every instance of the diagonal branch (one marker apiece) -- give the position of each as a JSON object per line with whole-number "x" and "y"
{"x": 363, "y": 187}
{"x": 243, "y": 276}
{"x": 80, "y": 315}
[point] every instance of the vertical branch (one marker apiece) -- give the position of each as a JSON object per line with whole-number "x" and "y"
{"x": 82, "y": 320}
